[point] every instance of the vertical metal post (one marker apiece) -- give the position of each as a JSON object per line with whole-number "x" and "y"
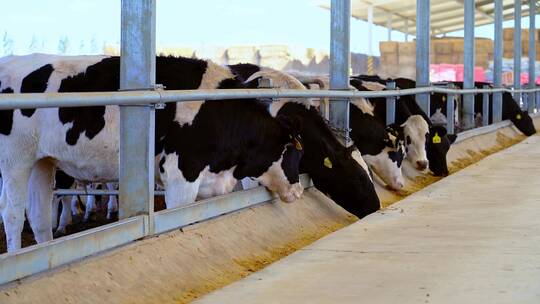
{"x": 532, "y": 55}
{"x": 370, "y": 29}
{"x": 406, "y": 30}
{"x": 340, "y": 21}
{"x": 450, "y": 111}
{"x": 517, "y": 49}
{"x": 370, "y": 59}
{"x": 422, "y": 51}
{"x": 485, "y": 107}
{"x": 137, "y": 123}
{"x": 468, "y": 62}
{"x": 497, "y": 61}
{"x": 390, "y": 104}
{"x": 389, "y": 26}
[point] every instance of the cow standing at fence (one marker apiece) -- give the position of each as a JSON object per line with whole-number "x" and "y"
{"x": 412, "y": 129}
{"x": 195, "y": 141}
{"x": 510, "y": 109}
{"x": 337, "y": 171}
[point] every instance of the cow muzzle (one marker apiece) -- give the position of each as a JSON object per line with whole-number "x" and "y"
{"x": 421, "y": 165}
{"x": 293, "y": 193}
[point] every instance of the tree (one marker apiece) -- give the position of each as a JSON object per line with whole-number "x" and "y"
{"x": 33, "y": 44}
{"x": 82, "y": 48}
{"x": 63, "y": 45}
{"x": 7, "y": 44}
{"x": 94, "y": 49}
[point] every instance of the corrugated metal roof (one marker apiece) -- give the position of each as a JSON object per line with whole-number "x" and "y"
{"x": 446, "y": 15}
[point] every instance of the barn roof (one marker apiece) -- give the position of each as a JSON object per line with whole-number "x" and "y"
{"x": 446, "y": 15}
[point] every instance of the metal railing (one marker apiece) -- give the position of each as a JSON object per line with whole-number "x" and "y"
{"x": 41, "y": 257}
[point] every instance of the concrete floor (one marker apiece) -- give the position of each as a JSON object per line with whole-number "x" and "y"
{"x": 473, "y": 237}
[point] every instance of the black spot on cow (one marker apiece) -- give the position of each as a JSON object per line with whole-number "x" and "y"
{"x": 161, "y": 163}
{"x": 36, "y": 82}
{"x": 102, "y": 76}
{"x": 397, "y": 156}
{"x": 6, "y": 116}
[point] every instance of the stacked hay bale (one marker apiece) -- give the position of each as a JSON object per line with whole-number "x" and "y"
{"x": 398, "y": 59}
{"x": 242, "y": 54}
{"x": 508, "y": 37}
{"x": 274, "y": 56}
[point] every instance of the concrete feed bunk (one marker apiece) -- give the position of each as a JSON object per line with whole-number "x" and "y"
{"x": 179, "y": 266}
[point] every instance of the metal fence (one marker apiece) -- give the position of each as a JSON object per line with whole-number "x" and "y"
{"x": 67, "y": 249}
{"x": 138, "y": 104}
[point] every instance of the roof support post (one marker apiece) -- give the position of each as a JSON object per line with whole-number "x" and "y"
{"x": 468, "y": 61}
{"x": 389, "y": 26}
{"x": 390, "y": 104}
{"x": 137, "y": 123}
{"x": 497, "y": 60}
{"x": 406, "y": 30}
{"x": 532, "y": 55}
{"x": 340, "y": 22}
{"x": 517, "y": 49}
{"x": 422, "y": 51}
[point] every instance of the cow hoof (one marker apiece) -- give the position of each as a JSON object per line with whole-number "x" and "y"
{"x": 60, "y": 232}
{"x": 92, "y": 217}
{"x": 76, "y": 218}
{"x": 112, "y": 215}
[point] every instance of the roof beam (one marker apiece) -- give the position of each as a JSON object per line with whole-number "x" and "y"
{"x": 477, "y": 9}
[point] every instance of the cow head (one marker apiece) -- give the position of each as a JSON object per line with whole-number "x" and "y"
{"x": 282, "y": 176}
{"x": 338, "y": 172}
{"x": 438, "y": 144}
{"x": 521, "y": 119}
{"x": 343, "y": 176}
{"x": 415, "y": 132}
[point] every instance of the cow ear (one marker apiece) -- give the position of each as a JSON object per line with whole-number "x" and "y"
{"x": 452, "y": 138}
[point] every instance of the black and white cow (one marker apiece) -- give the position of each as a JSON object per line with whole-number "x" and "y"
{"x": 412, "y": 129}
{"x": 379, "y": 148}
{"x": 439, "y": 141}
{"x": 196, "y": 142}
{"x": 337, "y": 171}
{"x": 510, "y": 109}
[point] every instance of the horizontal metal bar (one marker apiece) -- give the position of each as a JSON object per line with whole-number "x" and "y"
{"x": 170, "y": 219}
{"x": 51, "y": 100}
{"x": 482, "y": 130}
{"x": 45, "y": 256}
{"x": 64, "y": 192}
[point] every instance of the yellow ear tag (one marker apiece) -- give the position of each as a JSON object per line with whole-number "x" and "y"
{"x": 327, "y": 163}
{"x": 518, "y": 116}
{"x": 436, "y": 138}
{"x": 297, "y": 144}
{"x": 444, "y": 98}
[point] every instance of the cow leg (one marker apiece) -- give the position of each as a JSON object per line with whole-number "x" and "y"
{"x": 54, "y": 211}
{"x": 179, "y": 194}
{"x": 76, "y": 210}
{"x": 65, "y": 217}
{"x": 91, "y": 207}
{"x": 13, "y": 201}
{"x": 178, "y": 191}
{"x": 112, "y": 205}
{"x": 40, "y": 194}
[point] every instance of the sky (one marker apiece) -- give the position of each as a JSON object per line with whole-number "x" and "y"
{"x": 39, "y": 25}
